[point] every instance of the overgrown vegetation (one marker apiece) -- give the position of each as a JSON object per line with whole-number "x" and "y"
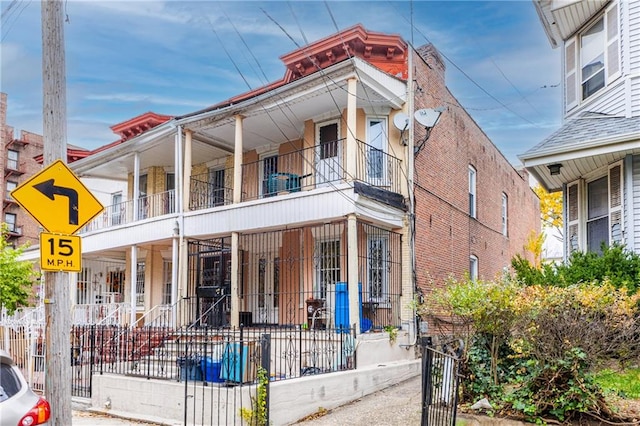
{"x": 16, "y": 276}
{"x": 534, "y": 341}
{"x": 258, "y": 415}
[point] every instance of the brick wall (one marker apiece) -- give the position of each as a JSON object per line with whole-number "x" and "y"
{"x": 446, "y": 235}
{"x": 31, "y": 146}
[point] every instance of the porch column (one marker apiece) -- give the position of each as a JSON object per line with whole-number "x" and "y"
{"x": 133, "y": 281}
{"x": 136, "y": 186}
{"x": 237, "y": 161}
{"x": 352, "y": 148}
{"x": 352, "y": 271}
{"x": 186, "y": 181}
{"x": 235, "y": 295}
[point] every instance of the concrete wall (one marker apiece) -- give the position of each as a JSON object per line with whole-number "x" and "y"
{"x": 290, "y": 400}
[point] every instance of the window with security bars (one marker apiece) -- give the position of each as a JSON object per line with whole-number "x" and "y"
{"x": 327, "y": 266}
{"x": 167, "y": 275}
{"x": 378, "y": 270}
{"x": 140, "y": 272}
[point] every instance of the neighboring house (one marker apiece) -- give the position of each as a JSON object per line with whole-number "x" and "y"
{"x": 295, "y": 203}
{"x": 594, "y": 157}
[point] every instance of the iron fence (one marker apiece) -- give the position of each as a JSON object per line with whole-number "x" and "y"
{"x": 440, "y": 382}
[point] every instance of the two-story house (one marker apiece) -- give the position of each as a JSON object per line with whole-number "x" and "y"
{"x": 326, "y": 198}
{"x": 594, "y": 157}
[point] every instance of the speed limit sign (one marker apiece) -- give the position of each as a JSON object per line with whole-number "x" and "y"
{"x": 60, "y": 252}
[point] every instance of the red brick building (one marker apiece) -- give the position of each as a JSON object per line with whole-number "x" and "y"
{"x": 461, "y": 229}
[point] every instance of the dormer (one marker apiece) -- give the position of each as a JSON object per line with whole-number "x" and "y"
{"x": 589, "y": 33}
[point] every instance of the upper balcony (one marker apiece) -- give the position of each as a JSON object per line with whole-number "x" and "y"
{"x": 307, "y": 136}
{"x": 378, "y": 176}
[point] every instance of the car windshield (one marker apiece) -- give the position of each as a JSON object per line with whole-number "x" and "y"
{"x": 9, "y": 382}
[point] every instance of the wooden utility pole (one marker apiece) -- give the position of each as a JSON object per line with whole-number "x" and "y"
{"x": 57, "y": 301}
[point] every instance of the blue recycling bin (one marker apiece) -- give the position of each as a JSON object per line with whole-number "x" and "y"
{"x": 211, "y": 369}
{"x": 342, "y": 307}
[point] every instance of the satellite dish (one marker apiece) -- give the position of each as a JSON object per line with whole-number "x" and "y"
{"x": 427, "y": 117}
{"x": 401, "y": 121}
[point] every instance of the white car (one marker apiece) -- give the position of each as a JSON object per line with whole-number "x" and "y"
{"x": 19, "y": 405}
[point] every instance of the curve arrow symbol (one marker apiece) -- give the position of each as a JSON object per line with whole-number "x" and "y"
{"x": 49, "y": 189}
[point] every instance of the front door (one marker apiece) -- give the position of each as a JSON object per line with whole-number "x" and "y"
{"x": 327, "y": 154}
{"x": 267, "y": 275}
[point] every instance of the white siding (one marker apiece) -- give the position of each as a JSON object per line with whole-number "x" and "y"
{"x": 633, "y": 39}
{"x": 636, "y": 202}
{"x": 635, "y": 96}
{"x": 610, "y": 101}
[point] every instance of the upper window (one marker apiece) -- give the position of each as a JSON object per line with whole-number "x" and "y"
{"x": 10, "y": 220}
{"x": 592, "y": 58}
{"x": 472, "y": 192}
{"x": 12, "y": 159}
{"x": 505, "y": 212}
{"x": 10, "y": 187}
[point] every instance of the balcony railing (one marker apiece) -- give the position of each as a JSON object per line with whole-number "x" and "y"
{"x": 122, "y": 213}
{"x": 300, "y": 170}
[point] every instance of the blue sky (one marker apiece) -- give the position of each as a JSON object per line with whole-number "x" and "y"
{"x": 173, "y": 57}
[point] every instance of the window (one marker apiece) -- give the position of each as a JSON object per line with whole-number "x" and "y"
{"x": 167, "y": 266}
{"x": 327, "y": 266}
{"x": 472, "y": 192}
{"x": 592, "y": 58}
{"x": 143, "y": 199}
{"x": 10, "y": 187}
{"x": 10, "y": 220}
{"x": 473, "y": 268}
{"x": 505, "y": 212}
{"x": 140, "y": 272}
{"x": 216, "y": 187}
{"x": 170, "y": 200}
{"x": 378, "y": 269}
{"x": 12, "y": 159}
{"x": 269, "y": 168}
{"x": 117, "y": 209}
{"x": 597, "y": 214}
{"x": 377, "y": 142}
{"x": 595, "y": 211}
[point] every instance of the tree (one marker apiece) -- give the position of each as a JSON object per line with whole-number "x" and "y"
{"x": 16, "y": 276}
{"x": 550, "y": 207}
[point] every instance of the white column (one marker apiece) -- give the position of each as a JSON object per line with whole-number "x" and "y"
{"x": 187, "y": 169}
{"x": 237, "y": 161}
{"x": 352, "y": 271}
{"x": 235, "y": 287}
{"x": 136, "y": 186}
{"x": 133, "y": 281}
{"x": 352, "y": 148}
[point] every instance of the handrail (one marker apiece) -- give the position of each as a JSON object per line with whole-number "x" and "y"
{"x": 209, "y": 310}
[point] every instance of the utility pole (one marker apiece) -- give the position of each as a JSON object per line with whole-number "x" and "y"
{"x": 57, "y": 301}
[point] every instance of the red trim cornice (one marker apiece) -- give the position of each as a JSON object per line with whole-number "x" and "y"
{"x": 140, "y": 124}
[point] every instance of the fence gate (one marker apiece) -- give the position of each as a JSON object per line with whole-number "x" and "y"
{"x": 234, "y": 390}
{"x": 440, "y": 382}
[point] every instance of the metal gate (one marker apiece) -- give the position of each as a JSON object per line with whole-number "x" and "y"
{"x": 234, "y": 391}
{"x": 440, "y": 382}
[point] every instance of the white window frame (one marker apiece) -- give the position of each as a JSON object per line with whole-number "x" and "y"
{"x": 382, "y": 177}
{"x": 473, "y": 267}
{"x": 505, "y": 215}
{"x": 13, "y": 159}
{"x": 379, "y": 271}
{"x": 12, "y": 224}
{"x": 473, "y": 194}
{"x": 321, "y": 245}
{"x": 11, "y": 185}
{"x": 572, "y": 60}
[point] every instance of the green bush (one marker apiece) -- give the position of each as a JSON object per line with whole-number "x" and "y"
{"x": 617, "y": 264}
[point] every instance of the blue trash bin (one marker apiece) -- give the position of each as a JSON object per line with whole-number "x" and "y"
{"x": 190, "y": 368}
{"x": 211, "y": 369}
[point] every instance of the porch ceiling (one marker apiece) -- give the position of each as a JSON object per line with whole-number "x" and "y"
{"x": 270, "y": 119}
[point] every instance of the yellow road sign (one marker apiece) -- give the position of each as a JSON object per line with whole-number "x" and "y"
{"x": 57, "y": 199}
{"x": 60, "y": 252}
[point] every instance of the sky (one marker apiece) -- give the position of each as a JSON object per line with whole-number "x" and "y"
{"x": 125, "y": 58}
